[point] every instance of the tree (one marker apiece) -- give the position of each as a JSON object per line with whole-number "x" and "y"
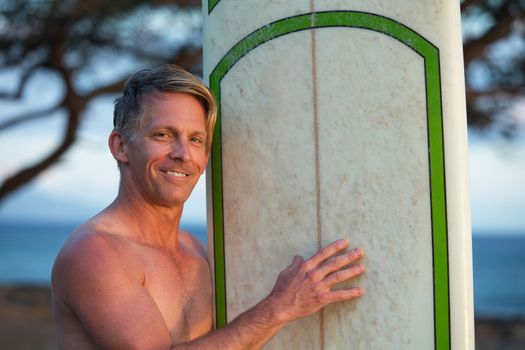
{"x": 494, "y": 56}
{"x": 67, "y": 37}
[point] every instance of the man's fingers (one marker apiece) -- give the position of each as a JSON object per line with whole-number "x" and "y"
{"x": 339, "y": 262}
{"x": 343, "y": 275}
{"x": 326, "y": 253}
{"x": 342, "y": 295}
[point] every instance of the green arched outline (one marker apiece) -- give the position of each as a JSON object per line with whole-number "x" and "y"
{"x": 430, "y": 55}
{"x": 212, "y": 4}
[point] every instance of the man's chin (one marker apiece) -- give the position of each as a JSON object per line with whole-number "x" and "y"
{"x": 172, "y": 201}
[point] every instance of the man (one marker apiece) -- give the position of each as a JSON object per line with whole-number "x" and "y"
{"x": 130, "y": 279}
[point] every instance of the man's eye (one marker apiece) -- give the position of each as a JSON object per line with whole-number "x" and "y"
{"x": 161, "y": 135}
{"x": 197, "y": 140}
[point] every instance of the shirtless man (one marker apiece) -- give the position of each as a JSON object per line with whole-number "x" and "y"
{"x": 130, "y": 279}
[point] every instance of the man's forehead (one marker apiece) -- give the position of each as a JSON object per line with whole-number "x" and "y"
{"x": 155, "y": 98}
{"x": 171, "y": 107}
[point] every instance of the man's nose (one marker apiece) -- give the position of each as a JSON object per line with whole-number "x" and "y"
{"x": 180, "y": 150}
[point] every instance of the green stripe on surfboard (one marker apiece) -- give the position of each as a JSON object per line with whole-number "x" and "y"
{"x": 430, "y": 55}
{"x": 212, "y": 4}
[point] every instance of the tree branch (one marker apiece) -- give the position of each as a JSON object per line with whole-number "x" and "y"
{"x": 82, "y": 8}
{"x": 26, "y": 175}
{"x": 476, "y": 47}
{"x": 106, "y": 89}
{"x": 29, "y": 116}
{"x": 187, "y": 57}
{"x": 73, "y": 103}
{"x": 179, "y": 3}
{"x": 467, "y": 3}
{"x": 17, "y": 94}
{"x": 472, "y": 95}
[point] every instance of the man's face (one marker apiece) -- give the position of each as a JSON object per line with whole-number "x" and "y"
{"x": 167, "y": 153}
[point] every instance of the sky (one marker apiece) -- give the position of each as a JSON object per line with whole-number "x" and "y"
{"x": 497, "y": 186}
{"x": 86, "y": 180}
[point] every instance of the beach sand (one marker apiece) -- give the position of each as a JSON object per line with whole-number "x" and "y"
{"x": 26, "y": 319}
{"x": 26, "y": 322}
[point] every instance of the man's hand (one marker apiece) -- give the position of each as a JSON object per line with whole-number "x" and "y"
{"x": 304, "y": 287}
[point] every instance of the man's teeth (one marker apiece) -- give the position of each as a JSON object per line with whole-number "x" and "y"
{"x": 175, "y": 173}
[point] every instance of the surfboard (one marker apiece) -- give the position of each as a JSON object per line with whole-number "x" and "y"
{"x": 342, "y": 119}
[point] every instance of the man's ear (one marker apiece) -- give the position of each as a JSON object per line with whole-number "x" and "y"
{"x": 117, "y": 147}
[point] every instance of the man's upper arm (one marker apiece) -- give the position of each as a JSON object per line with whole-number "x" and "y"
{"x": 103, "y": 290}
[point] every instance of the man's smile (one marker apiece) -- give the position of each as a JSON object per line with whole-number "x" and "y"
{"x": 175, "y": 173}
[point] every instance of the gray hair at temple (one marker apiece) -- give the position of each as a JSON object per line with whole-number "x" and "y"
{"x": 146, "y": 83}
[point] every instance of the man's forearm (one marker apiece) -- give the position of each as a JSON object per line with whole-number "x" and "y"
{"x": 250, "y": 330}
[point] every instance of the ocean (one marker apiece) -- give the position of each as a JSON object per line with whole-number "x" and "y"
{"x": 27, "y": 252}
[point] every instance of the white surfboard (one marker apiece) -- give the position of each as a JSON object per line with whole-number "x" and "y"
{"x": 342, "y": 119}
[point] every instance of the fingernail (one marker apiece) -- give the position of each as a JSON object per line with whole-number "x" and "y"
{"x": 342, "y": 243}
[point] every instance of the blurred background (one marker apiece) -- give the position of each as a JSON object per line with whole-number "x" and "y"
{"x": 62, "y": 63}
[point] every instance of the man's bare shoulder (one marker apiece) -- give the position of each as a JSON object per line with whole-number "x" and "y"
{"x": 90, "y": 254}
{"x": 87, "y": 241}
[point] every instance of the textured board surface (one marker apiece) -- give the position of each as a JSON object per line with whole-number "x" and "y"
{"x": 335, "y": 122}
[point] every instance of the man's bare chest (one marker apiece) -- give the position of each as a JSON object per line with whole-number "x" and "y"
{"x": 182, "y": 292}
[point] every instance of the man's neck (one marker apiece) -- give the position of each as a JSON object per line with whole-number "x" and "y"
{"x": 151, "y": 224}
